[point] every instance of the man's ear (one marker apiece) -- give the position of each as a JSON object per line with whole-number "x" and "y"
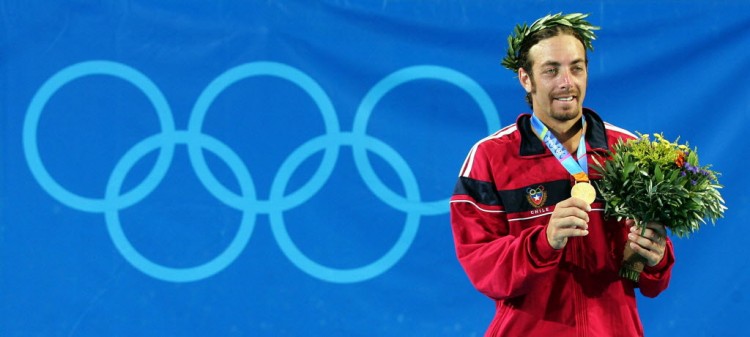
{"x": 525, "y": 79}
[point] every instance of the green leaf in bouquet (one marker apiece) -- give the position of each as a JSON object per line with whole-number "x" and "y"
{"x": 658, "y": 174}
{"x": 692, "y": 158}
{"x": 629, "y": 167}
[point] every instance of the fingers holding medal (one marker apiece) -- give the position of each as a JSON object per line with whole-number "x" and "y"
{"x": 584, "y": 191}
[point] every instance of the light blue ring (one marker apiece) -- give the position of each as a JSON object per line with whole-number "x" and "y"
{"x": 43, "y": 95}
{"x": 374, "y": 96}
{"x": 131, "y": 254}
{"x": 262, "y": 68}
{"x": 352, "y": 275}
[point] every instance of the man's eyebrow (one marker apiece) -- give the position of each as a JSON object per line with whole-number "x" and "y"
{"x": 558, "y": 64}
{"x": 576, "y": 61}
{"x": 551, "y": 63}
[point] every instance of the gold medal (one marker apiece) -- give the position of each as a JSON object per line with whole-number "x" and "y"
{"x": 583, "y": 191}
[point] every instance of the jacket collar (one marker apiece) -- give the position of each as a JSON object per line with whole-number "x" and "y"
{"x": 596, "y": 136}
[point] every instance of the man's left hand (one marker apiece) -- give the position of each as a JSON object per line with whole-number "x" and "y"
{"x": 649, "y": 243}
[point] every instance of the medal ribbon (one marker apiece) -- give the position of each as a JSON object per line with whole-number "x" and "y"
{"x": 577, "y": 168}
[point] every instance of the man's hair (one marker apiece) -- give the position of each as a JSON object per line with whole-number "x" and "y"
{"x": 523, "y": 54}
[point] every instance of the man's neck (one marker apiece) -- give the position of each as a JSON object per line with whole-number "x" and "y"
{"x": 567, "y": 132}
{"x": 571, "y": 138}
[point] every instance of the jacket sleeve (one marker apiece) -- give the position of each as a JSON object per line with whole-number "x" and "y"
{"x": 498, "y": 264}
{"x": 654, "y": 280}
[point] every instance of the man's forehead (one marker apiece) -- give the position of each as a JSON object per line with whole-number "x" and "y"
{"x": 560, "y": 49}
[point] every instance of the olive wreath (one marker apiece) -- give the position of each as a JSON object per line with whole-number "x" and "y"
{"x": 521, "y": 32}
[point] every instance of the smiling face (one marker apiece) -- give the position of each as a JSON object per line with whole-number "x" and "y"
{"x": 557, "y": 82}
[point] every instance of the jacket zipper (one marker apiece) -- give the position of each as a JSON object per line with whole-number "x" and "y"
{"x": 581, "y": 314}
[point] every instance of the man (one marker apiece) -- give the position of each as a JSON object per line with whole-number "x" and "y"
{"x": 550, "y": 260}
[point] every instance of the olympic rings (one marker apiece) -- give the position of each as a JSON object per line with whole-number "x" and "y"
{"x": 279, "y": 199}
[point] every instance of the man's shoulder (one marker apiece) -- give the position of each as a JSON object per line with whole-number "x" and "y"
{"x": 488, "y": 151}
{"x": 503, "y": 137}
{"x": 611, "y": 131}
{"x": 614, "y": 131}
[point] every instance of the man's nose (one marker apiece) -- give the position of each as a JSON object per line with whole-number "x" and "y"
{"x": 565, "y": 80}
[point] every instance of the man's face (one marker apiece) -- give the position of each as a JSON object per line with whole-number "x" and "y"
{"x": 558, "y": 85}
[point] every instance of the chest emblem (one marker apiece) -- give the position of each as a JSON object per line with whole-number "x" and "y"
{"x": 536, "y": 196}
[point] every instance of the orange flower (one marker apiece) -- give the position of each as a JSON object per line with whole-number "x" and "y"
{"x": 680, "y": 161}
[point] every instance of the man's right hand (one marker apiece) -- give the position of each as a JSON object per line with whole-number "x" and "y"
{"x": 569, "y": 219}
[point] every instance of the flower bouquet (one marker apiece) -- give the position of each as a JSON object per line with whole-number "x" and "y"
{"x": 658, "y": 181}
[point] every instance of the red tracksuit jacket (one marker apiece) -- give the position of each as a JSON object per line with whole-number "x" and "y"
{"x": 506, "y": 192}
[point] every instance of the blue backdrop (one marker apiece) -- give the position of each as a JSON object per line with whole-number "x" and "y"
{"x": 282, "y": 168}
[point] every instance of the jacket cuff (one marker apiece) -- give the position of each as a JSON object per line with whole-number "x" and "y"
{"x": 541, "y": 252}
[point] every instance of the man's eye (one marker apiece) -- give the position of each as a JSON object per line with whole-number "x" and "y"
{"x": 550, "y": 71}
